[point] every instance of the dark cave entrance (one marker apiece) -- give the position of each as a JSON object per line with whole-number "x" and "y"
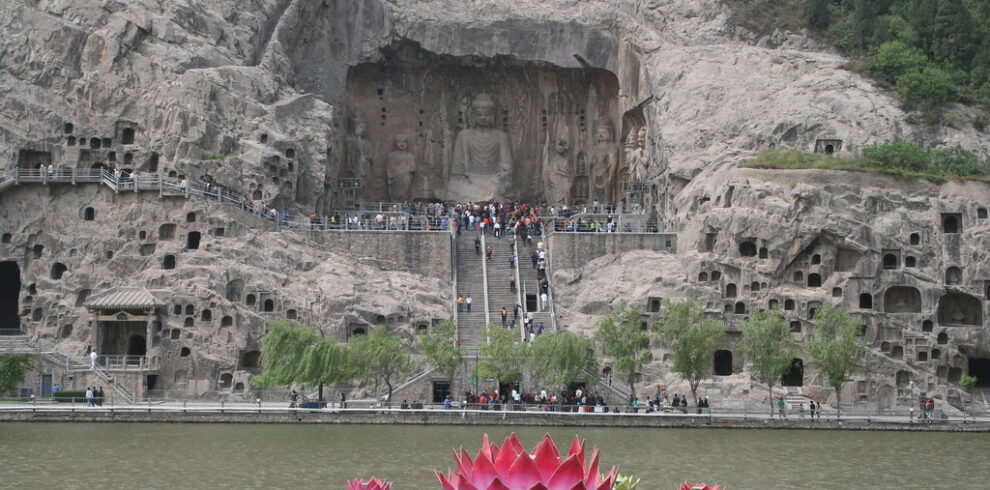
{"x": 795, "y": 375}
{"x": 981, "y": 369}
{"x": 10, "y": 290}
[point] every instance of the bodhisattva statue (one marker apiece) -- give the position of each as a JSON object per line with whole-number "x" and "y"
{"x": 557, "y": 174}
{"x": 400, "y": 168}
{"x": 604, "y": 164}
{"x": 636, "y": 155}
{"x": 359, "y": 153}
{"x": 482, "y": 159}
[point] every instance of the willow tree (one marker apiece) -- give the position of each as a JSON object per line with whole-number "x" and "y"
{"x": 562, "y": 358}
{"x": 767, "y": 344}
{"x": 501, "y": 356}
{"x": 626, "y": 342}
{"x": 439, "y": 345}
{"x": 836, "y": 347}
{"x": 379, "y": 357}
{"x": 692, "y": 338}
{"x": 283, "y": 349}
{"x": 324, "y": 362}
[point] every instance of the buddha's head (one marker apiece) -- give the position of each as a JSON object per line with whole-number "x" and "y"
{"x": 401, "y": 142}
{"x": 484, "y": 111}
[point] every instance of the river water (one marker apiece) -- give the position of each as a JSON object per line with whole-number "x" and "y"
{"x": 199, "y": 456}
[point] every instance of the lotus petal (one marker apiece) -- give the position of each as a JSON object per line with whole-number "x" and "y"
{"x": 546, "y": 457}
{"x": 513, "y": 442}
{"x": 464, "y": 463}
{"x": 591, "y": 470}
{"x": 447, "y": 485}
{"x": 538, "y": 486}
{"x": 577, "y": 447}
{"x": 608, "y": 481}
{"x": 483, "y": 472}
{"x": 523, "y": 473}
{"x": 498, "y": 485}
{"x": 506, "y": 457}
{"x": 570, "y": 472}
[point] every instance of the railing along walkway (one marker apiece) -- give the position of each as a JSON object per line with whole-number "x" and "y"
{"x": 387, "y": 216}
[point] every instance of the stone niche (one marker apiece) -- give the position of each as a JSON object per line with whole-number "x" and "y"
{"x": 474, "y": 128}
{"x": 960, "y": 309}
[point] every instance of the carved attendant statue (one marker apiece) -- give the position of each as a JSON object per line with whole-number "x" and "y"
{"x": 636, "y": 155}
{"x": 604, "y": 163}
{"x": 400, "y": 168}
{"x": 359, "y": 153}
{"x": 482, "y": 160}
{"x": 557, "y": 174}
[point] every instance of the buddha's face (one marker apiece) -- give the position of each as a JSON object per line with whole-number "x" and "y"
{"x": 642, "y": 136}
{"x": 484, "y": 116}
{"x": 562, "y": 147}
{"x": 603, "y": 135}
{"x": 360, "y": 129}
{"x": 401, "y": 142}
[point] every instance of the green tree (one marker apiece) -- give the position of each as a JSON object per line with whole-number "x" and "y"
{"x": 439, "y": 345}
{"x": 562, "y": 358}
{"x": 324, "y": 362}
{"x": 626, "y": 342}
{"x": 692, "y": 338}
{"x": 282, "y": 351}
{"x": 501, "y": 356}
{"x": 379, "y": 357}
{"x": 766, "y": 342}
{"x": 13, "y": 368}
{"x": 928, "y": 88}
{"x": 890, "y": 60}
{"x": 836, "y": 347}
{"x": 956, "y": 35}
{"x": 967, "y": 382}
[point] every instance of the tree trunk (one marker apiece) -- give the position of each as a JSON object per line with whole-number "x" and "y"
{"x": 388, "y": 384}
{"x": 632, "y": 388}
{"x": 321, "y": 392}
{"x": 694, "y": 391}
{"x": 770, "y": 398}
{"x": 838, "y": 401}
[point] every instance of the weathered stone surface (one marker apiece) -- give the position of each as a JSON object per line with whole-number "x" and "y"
{"x": 261, "y": 99}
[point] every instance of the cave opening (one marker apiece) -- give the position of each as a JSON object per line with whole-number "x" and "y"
{"x": 795, "y": 374}
{"x": 980, "y": 368}
{"x": 723, "y": 363}
{"x": 413, "y": 108}
{"x": 10, "y": 290}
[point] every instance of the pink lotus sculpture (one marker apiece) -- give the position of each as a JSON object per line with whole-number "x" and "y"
{"x": 698, "y": 486}
{"x": 373, "y": 484}
{"x": 512, "y": 468}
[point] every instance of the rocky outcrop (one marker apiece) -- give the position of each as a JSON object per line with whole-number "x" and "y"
{"x": 261, "y": 99}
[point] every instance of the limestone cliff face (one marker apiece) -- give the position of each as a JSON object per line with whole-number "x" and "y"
{"x": 261, "y": 97}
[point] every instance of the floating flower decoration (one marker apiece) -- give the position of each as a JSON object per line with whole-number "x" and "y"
{"x": 373, "y": 484}
{"x": 626, "y": 482}
{"x": 698, "y": 486}
{"x": 512, "y": 468}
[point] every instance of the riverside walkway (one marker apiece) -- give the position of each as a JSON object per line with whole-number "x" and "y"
{"x": 365, "y": 412}
{"x": 370, "y": 217}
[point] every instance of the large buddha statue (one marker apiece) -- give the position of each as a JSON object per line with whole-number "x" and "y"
{"x": 400, "y": 168}
{"x": 482, "y": 160}
{"x": 604, "y": 164}
{"x": 557, "y": 173}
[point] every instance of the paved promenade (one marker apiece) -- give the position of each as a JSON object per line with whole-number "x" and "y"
{"x": 272, "y": 412}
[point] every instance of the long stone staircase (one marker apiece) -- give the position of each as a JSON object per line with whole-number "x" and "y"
{"x": 500, "y": 294}
{"x": 529, "y": 282}
{"x": 471, "y": 282}
{"x": 22, "y": 344}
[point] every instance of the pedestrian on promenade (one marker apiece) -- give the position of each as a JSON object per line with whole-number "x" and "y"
{"x": 468, "y": 303}
{"x": 811, "y": 409}
{"x": 477, "y": 245}
{"x": 92, "y": 359}
{"x": 780, "y": 407}
{"x": 89, "y": 396}
{"x": 460, "y": 303}
{"x": 505, "y": 316}
{"x": 488, "y": 253}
